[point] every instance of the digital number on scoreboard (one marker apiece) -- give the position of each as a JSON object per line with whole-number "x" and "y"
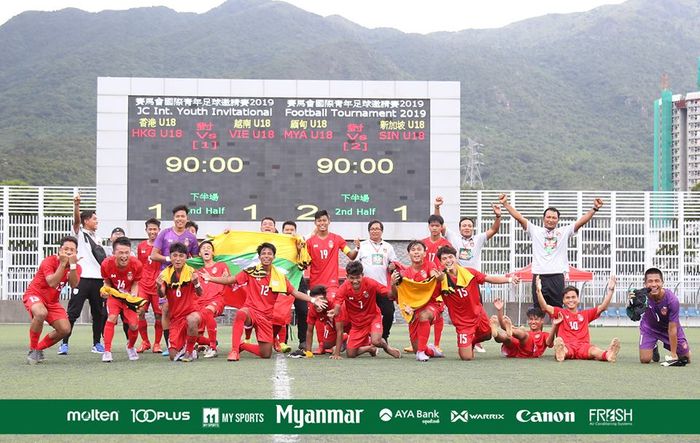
{"x": 232, "y": 158}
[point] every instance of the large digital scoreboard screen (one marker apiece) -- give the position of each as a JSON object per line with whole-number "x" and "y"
{"x": 242, "y": 158}
{"x": 237, "y": 150}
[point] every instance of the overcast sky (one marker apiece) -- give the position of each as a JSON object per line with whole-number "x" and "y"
{"x": 422, "y": 16}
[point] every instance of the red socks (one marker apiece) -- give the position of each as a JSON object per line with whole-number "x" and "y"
{"x": 439, "y": 325}
{"x": 34, "y": 339}
{"x": 191, "y": 341}
{"x": 133, "y": 336}
{"x": 143, "y": 330}
{"x": 47, "y": 342}
{"x": 159, "y": 331}
{"x": 237, "y": 330}
{"x": 423, "y": 335}
{"x": 109, "y": 335}
{"x": 250, "y": 347}
{"x": 210, "y": 323}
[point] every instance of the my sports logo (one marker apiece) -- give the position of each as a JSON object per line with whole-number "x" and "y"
{"x": 210, "y": 417}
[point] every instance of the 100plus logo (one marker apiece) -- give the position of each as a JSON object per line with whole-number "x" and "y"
{"x": 152, "y": 415}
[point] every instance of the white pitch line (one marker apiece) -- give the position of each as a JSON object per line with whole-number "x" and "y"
{"x": 282, "y": 390}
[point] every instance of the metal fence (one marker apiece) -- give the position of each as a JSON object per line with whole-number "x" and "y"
{"x": 633, "y": 231}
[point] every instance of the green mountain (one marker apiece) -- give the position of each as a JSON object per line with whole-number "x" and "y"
{"x": 559, "y": 101}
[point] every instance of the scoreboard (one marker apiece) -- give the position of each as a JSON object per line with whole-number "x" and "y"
{"x": 235, "y": 154}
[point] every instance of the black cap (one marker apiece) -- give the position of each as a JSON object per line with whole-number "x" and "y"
{"x": 118, "y": 229}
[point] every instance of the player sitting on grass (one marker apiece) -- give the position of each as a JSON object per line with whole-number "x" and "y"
{"x": 41, "y": 298}
{"x": 460, "y": 290}
{"x": 359, "y": 294}
{"x": 517, "y": 342}
{"x": 179, "y": 283}
{"x": 574, "y": 341}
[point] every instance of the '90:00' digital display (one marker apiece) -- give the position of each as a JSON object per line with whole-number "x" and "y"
{"x": 241, "y": 159}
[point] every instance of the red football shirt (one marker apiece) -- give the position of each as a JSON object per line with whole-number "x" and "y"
{"x": 464, "y": 304}
{"x": 181, "y": 300}
{"x": 150, "y": 271}
{"x": 121, "y": 278}
{"x": 574, "y": 328}
{"x": 361, "y": 305}
{"x": 38, "y": 286}
{"x": 324, "y": 259}
{"x": 432, "y": 248}
{"x": 212, "y": 291}
{"x": 535, "y": 345}
{"x": 259, "y": 295}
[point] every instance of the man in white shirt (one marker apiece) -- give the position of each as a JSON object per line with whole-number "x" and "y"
{"x": 90, "y": 256}
{"x": 550, "y": 248}
{"x": 375, "y": 255}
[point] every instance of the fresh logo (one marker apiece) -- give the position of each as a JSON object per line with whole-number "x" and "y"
{"x": 610, "y": 417}
{"x": 456, "y": 416}
{"x": 92, "y": 415}
{"x": 385, "y": 414}
{"x": 525, "y": 416}
{"x": 210, "y": 417}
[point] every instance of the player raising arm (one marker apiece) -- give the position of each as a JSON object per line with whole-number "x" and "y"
{"x": 517, "y": 342}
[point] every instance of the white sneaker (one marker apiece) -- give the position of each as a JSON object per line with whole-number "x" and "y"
{"x": 422, "y": 356}
{"x": 478, "y": 348}
{"x": 179, "y": 354}
{"x": 210, "y": 353}
{"x": 437, "y": 353}
{"x": 107, "y": 357}
{"x": 133, "y": 355}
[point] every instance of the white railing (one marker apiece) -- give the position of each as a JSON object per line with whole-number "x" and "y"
{"x": 633, "y": 231}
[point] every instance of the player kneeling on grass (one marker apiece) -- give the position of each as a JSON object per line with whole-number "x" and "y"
{"x": 517, "y": 342}
{"x": 660, "y": 321}
{"x": 262, "y": 285}
{"x": 359, "y": 294}
{"x": 179, "y": 284}
{"x": 41, "y": 298}
{"x": 322, "y": 319}
{"x": 121, "y": 274}
{"x": 460, "y": 291}
{"x": 574, "y": 340}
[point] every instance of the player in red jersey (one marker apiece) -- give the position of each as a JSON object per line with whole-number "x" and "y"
{"x": 122, "y": 272}
{"x": 179, "y": 283}
{"x": 359, "y": 294}
{"x": 211, "y": 303}
{"x": 420, "y": 270}
{"x": 517, "y": 342}
{"x": 323, "y": 248}
{"x": 41, "y": 298}
{"x": 574, "y": 340}
{"x": 436, "y": 225}
{"x": 263, "y": 284}
{"x": 147, "y": 288}
{"x": 462, "y": 299}
{"x": 321, "y": 319}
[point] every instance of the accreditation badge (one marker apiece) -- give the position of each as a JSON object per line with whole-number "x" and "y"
{"x": 377, "y": 259}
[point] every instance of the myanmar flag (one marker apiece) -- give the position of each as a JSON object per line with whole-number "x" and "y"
{"x": 238, "y": 249}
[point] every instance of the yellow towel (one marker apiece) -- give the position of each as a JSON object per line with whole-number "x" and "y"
{"x": 463, "y": 279}
{"x": 168, "y": 274}
{"x": 304, "y": 258}
{"x": 133, "y": 303}
{"x": 277, "y": 279}
{"x": 414, "y": 294}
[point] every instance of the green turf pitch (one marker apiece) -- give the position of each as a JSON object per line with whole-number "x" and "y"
{"x": 81, "y": 374}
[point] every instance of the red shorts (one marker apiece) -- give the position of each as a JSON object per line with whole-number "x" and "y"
{"x": 578, "y": 351}
{"x": 178, "y": 332}
{"x": 153, "y": 301}
{"x": 467, "y": 335}
{"x": 217, "y": 304}
{"x": 330, "y": 335}
{"x": 511, "y": 349}
{"x": 282, "y": 311}
{"x": 262, "y": 325}
{"x": 433, "y": 307}
{"x": 361, "y": 336}
{"x": 54, "y": 310}
{"x": 115, "y": 307}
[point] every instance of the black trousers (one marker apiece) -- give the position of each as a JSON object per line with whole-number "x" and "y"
{"x": 387, "y": 308}
{"x": 301, "y": 308}
{"x": 552, "y": 289}
{"x": 88, "y": 289}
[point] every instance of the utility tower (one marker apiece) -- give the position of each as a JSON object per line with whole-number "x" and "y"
{"x": 471, "y": 177}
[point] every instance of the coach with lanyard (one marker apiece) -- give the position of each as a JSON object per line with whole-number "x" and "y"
{"x": 550, "y": 244}
{"x": 90, "y": 256}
